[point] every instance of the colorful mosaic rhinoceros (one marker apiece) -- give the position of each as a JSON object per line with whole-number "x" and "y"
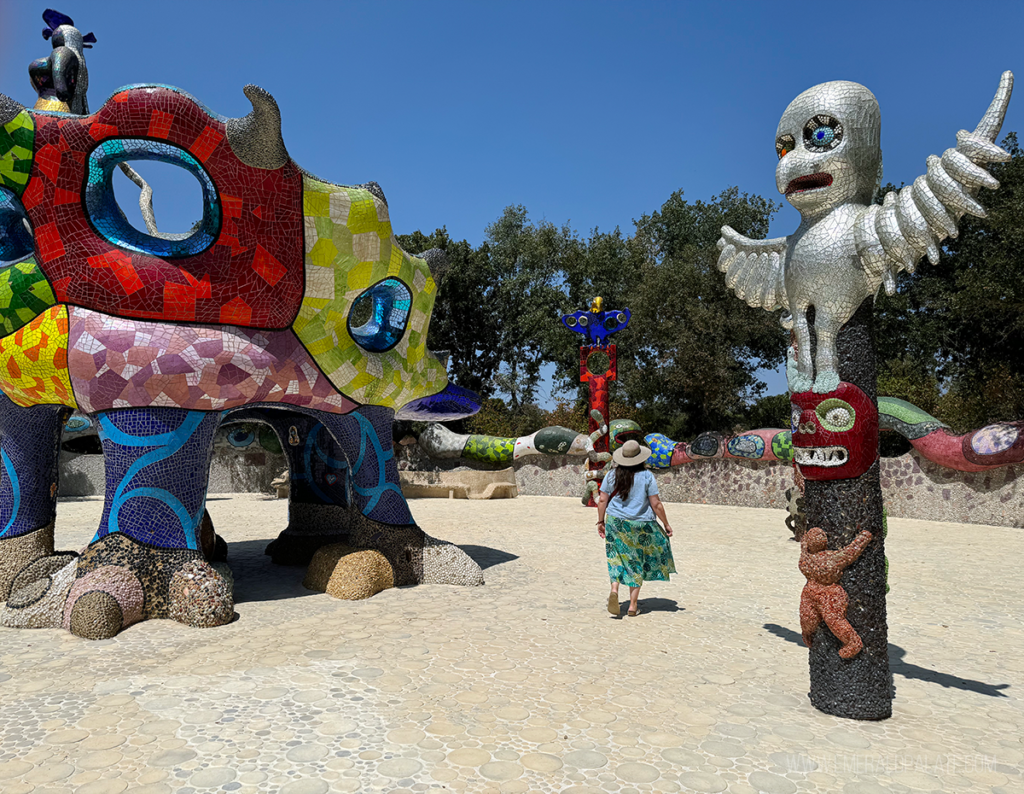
{"x": 290, "y": 302}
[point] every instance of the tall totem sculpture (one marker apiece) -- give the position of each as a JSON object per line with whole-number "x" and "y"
{"x": 825, "y": 275}
{"x": 598, "y": 369}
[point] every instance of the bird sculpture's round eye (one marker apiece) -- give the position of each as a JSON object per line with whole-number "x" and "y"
{"x": 822, "y": 133}
{"x": 836, "y": 415}
{"x": 784, "y": 144}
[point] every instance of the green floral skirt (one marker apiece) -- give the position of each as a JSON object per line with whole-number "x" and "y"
{"x": 638, "y": 552}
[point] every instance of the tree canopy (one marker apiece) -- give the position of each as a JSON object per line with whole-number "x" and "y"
{"x": 950, "y": 340}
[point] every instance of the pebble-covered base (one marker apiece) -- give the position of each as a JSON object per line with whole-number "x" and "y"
{"x": 154, "y": 567}
{"x": 347, "y": 573}
{"x": 17, "y": 552}
{"x": 39, "y": 593}
{"x": 200, "y": 596}
{"x": 104, "y": 601}
{"x": 446, "y": 563}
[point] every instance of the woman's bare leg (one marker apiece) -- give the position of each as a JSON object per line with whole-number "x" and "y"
{"x": 634, "y": 594}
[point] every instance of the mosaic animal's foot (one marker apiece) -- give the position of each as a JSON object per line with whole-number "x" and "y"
{"x": 401, "y": 545}
{"x": 799, "y": 383}
{"x": 121, "y": 582}
{"x": 310, "y": 527}
{"x": 348, "y": 573}
{"x": 39, "y": 591}
{"x": 446, "y": 563}
{"x": 214, "y": 547}
{"x": 852, "y": 648}
{"x": 827, "y": 381}
{"x": 18, "y": 552}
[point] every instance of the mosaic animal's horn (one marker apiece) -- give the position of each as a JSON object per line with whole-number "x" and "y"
{"x": 256, "y": 139}
{"x": 437, "y": 261}
{"x": 9, "y": 109}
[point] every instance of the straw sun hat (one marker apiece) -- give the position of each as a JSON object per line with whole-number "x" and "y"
{"x": 631, "y": 454}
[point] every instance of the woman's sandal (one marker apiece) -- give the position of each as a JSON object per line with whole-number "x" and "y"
{"x": 634, "y": 612}
{"x": 613, "y": 604}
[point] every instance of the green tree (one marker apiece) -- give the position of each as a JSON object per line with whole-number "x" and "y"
{"x": 693, "y": 347}
{"x": 952, "y": 337}
{"x": 465, "y": 320}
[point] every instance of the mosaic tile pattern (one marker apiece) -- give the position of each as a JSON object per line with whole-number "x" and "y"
{"x": 157, "y": 462}
{"x": 365, "y": 438}
{"x": 16, "y": 142}
{"x": 830, "y": 167}
{"x": 24, "y": 295}
{"x": 117, "y": 363}
{"x": 28, "y": 466}
{"x": 252, "y": 274}
{"x": 350, "y": 250}
{"x": 34, "y": 361}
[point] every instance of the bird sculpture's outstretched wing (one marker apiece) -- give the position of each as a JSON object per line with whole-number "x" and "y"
{"x": 754, "y": 268}
{"x": 913, "y": 222}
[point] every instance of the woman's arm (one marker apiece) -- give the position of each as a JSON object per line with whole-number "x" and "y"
{"x": 659, "y": 511}
{"x": 602, "y": 505}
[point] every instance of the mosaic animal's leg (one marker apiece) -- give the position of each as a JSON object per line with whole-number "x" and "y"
{"x": 804, "y": 377}
{"x": 383, "y": 520}
{"x": 29, "y": 450}
{"x": 146, "y": 560}
{"x": 826, "y": 365}
{"x": 318, "y": 488}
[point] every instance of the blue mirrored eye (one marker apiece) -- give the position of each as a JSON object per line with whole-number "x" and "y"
{"x": 110, "y": 222}
{"x": 379, "y": 315}
{"x": 822, "y": 132}
{"x": 823, "y": 136}
{"x": 241, "y": 437}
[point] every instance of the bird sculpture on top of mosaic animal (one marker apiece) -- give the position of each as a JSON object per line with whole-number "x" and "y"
{"x": 830, "y": 167}
{"x": 290, "y": 303}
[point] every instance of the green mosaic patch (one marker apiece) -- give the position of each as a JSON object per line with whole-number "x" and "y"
{"x": 782, "y": 446}
{"x": 349, "y": 248}
{"x": 16, "y": 140}
{"x": 24, "y": 295}
{"x": 489, "y": 449}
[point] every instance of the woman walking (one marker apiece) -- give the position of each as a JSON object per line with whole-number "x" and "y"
{"x": 637, "y": 548}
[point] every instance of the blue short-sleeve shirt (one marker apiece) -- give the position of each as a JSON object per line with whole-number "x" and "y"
{"x": 635, "y": 506}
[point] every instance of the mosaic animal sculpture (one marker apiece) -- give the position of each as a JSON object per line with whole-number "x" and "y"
{"x": 289, "y": 303}
{"x": 823, "y": 599}
{"x": 830, "y": 167}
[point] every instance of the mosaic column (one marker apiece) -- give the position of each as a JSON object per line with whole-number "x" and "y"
{"x": 29, "y": 451}
{"x": 597, "y": 367}
{"x": 844, "y": 500}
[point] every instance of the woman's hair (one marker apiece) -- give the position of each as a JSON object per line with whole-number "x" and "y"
{"x": 624, "y": 480}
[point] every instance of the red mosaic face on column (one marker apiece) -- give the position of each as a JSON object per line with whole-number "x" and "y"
{"x": 835, "y": 435}
{"x": 249, "y": 273}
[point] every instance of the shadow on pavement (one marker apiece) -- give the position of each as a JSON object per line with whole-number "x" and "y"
{"x": 659, "y": 605}
{"x": 486, "y": 557}
{"x": 907, "y": 670}
{"x": 258, "y": 579}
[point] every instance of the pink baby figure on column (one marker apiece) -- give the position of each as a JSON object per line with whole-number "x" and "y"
{"x": 823, "y": 598}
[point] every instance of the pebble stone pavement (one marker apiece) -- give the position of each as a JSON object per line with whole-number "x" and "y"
{"x": 527, "y": 683}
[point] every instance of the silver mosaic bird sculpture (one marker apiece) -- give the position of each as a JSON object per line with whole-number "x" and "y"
{"x": 830, "y": 167}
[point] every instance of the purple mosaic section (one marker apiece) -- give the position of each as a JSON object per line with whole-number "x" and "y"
{"x": 365, "y": 438}
{"x": 157, "y": 466}
{"x": 28, "y": 465}
{"x": 121, "y": 363}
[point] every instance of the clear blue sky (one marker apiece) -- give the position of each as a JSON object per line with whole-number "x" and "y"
{"x": 590, "y": 113}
